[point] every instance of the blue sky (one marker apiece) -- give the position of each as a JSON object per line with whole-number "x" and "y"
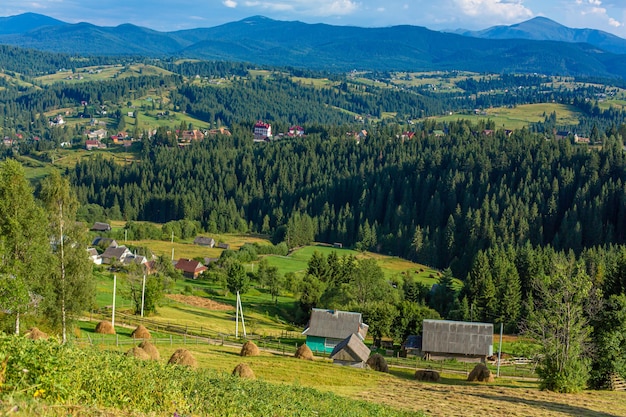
{"x": 169, "y": 15}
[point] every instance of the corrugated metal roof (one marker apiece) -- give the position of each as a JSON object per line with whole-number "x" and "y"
{"x": 335, "y": 324}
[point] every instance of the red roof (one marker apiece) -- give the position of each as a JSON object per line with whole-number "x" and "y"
{"x": 190, "y": 266}
{"x": 261, "y": 124}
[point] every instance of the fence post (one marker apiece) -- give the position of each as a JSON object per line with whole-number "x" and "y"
{"x": 117, "y": 340}
{"x": 171, "y": 342}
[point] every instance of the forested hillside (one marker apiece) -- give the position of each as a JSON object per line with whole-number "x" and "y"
{"x": 436, "y": 200}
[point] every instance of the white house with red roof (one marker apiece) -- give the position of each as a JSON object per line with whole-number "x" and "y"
{"x": 262, "y": 131}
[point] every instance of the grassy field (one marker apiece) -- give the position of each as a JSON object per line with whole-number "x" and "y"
{"x": 451, "y": 396}
{"x": 520, "y": 116}
{"x": 99, "y": 73}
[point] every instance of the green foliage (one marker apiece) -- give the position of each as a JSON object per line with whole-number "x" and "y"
{"x": 24, "y": 243}
{"x": 558, "y": 323}
{"x": 610, "y": 342}
{"x": 71, "y": 284}
{"x": 300, "y": 230}
{"x": 237, "y": 279}
{"x": 45, "y": 371}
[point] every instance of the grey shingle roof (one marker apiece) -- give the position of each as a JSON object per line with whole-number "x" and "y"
{"x": 351, "y": 348}
{"x": 335, "y": 324}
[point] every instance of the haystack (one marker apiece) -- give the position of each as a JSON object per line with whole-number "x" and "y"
{"x": 304, "y": 352}
{"x": 140, "y": 333}
{"x": 183, "y": 357}
{"x": 243, "y": 371}
{"x": 427, "y": 375}
{"x": 377, "y": 363}
{"x": 150, "y": 350}
{"x": 249, "y": 349}
{"x": 105, "y": 327}
{"x": 138, "y": 353}
{"x": 36, "y": 334}
{"x": 480, "y": 373}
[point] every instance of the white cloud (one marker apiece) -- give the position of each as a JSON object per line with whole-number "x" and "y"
{"x": 615, "y": 23}
{"x": 506, "y": 10}
{"x": 230, "y": 3}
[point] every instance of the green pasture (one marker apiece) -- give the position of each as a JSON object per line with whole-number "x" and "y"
{"x": 102, "y": 72}
{"x": 315, "y": 82}
{"x": 520, "y": 116}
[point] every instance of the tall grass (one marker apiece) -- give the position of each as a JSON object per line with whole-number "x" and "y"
{"x": 42, "y": 374}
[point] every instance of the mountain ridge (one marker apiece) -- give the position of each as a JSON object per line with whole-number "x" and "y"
{"x": 544, "y": 29}
{"x": 264, "y": 41}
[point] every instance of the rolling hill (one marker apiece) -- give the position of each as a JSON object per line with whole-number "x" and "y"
{"x": 264, "y": 41}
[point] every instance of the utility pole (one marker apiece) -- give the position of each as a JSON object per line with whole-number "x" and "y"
{"x": 499, "y": 350}
{"x": 143, "y": 293}
{"x": 114, "y": 288}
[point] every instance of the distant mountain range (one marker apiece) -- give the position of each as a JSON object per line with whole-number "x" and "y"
{"x": 264, "y": 41}
{"x": 544, "y": 29}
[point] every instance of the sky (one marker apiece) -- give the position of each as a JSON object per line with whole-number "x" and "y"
{"x": 171, "y": 15}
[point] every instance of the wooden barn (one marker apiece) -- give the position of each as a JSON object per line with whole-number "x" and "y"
{"x": 351, "y": 352}
{"x": 464, "y": 341}
{"x": 327, "y": 328}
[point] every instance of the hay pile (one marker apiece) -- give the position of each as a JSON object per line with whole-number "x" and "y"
{"x": 377, "y": 363}
{"x": 243, "y": 371}
{"x": 480, "y": 373}
{"x": 150, "y": 350}
{"x": 249, "y": 349}
{"x": 138, "y": 353}
{"x": 427, "y": 375}
{"x": 140, "y": 333}
{"x": 304, "y": 352}
{"x": 105, "y": 327}
{"x": 36, "y": 334}
{"x": 183, "y": 357}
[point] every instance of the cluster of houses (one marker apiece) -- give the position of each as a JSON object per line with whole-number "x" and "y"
{"x": 341, "y": 335}
{"x": 263, "y": 132}
{"x": 116, "y": 254}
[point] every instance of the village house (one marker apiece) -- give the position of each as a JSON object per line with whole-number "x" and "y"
{"x": 190, "y": 267}
{"x": 327, "y": 328}
{"x": 97, "y": 134}
{"x": 100, "y": 227}
{"x": 94, "y": 144}
{"x": 351, "y": 352}
{"x": 115, "y": 254}
{"x": 94, "y": 256}
{"x": 189, "y": 135}
{"x": 463, "y": 341}
{"x": 262, "y": 131}
{"x": 580, "y": 139}
{"x": 204, "y": 241}
{"x": 219, "y": 131}
{"x": 296, "y": 131}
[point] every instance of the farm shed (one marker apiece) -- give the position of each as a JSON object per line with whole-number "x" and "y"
{"x": 327, "y": 328}
{"x": 204, "y": 241}
{"x": 351, "y": 352}
{"x": 444, "y": 339}
{"x": 100, "y": 227}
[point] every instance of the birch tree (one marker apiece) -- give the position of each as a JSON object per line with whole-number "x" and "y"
{"x": 24, "y": 245}
{"x": 71, "y": 287}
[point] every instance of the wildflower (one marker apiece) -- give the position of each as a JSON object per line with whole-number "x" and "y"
{"x": 39, "y": 393}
